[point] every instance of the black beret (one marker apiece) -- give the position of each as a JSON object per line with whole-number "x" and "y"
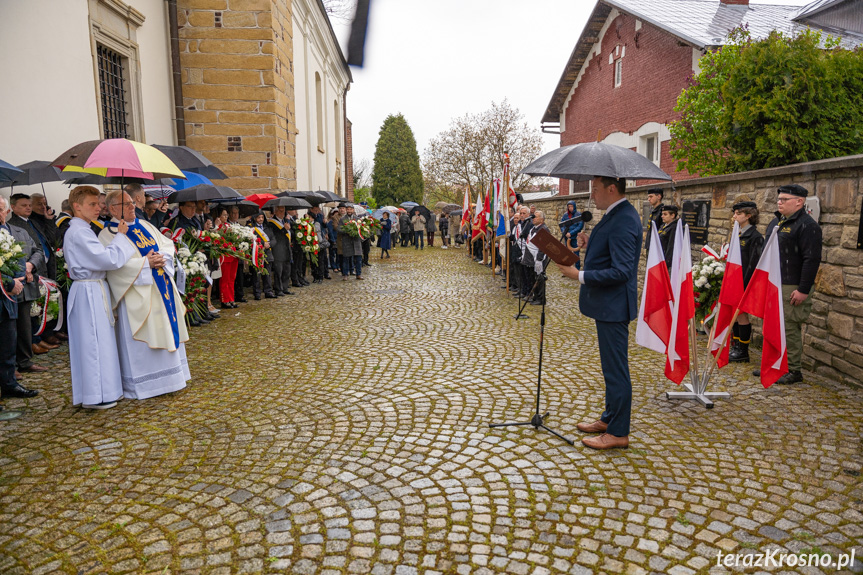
{"x": 794, "y": 190}
{"x": 343, "y": 205}
{"x": 741, "y": 205}
{"x": 657, "y": 191}
{"x": 669, "y": 208}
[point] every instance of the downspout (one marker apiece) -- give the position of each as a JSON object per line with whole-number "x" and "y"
{"x": 176, "y": 72}
{"x": 345, "y": 144}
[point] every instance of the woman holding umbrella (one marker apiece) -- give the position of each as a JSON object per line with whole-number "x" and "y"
{"x": 386, "y": 240}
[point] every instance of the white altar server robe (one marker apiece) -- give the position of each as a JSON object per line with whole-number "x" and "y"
{"x": 92, "y": 343}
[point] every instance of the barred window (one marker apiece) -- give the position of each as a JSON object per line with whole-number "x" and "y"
{"x": 113, "y": 93}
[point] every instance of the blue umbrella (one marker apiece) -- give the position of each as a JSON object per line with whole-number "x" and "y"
{"x": 8, "y": 172}
{"x": 192, "y": 179}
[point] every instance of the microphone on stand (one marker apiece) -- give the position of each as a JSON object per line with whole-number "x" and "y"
{"x": 582, "y": 217}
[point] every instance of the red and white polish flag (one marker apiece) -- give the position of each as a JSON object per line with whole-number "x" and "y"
{"x": 683, "y": 309}
{"x": 465, "y": 208}
{"x": 730, "y": 295}
{"x": 763, "y": 298}
{"x": 653, "y": 329}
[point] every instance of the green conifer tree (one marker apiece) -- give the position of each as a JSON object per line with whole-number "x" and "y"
{"x": 397, "y": 176}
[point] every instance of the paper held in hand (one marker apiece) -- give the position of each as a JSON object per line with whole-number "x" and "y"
{"x": 553, "y": 248}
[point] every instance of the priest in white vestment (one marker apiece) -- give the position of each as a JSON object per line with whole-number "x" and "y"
{"x": 151, "y": 329}
{"x": 92, "y": 344}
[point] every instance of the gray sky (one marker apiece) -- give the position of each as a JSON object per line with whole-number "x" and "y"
{"x": 435, "y": 61}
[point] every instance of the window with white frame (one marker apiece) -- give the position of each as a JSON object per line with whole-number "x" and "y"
{"x": 650, "y": 147}
{"x": 618, "y": 71}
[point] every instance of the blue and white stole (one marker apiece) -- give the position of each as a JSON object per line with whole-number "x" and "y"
{"x": 140, "y": 236}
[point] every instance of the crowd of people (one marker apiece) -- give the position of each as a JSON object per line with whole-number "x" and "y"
{"x": 121, "y": 278}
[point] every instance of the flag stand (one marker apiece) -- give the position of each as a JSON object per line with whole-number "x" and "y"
{"x": 698, "y": 389}
{"x": 538, "y": 420}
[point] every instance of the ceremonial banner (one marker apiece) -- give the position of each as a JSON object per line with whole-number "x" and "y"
{"x": 683, "y": 310}
{"x": 730, "y": 295}
{"x": 653, "y": 330}
{"x": 763, "y": 298}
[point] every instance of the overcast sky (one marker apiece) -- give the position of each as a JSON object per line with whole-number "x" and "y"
{"x": 435, "y": 61}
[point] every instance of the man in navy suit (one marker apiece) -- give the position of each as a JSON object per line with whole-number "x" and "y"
{"x": 608, "y": 295}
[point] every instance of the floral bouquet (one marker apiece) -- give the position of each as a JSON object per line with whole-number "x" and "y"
{"x": 374, "y": 225}
{"x": 308, "y": 238}
{"x": 62, "y": 273}
{"x": 39, "y": 308}
{"x": 358, "y": 229}
{"x": 11, "y": 252}
{"x": 240, "y": 239}
{"x": 195, "y": 264}
{"x": 707, "y": 280}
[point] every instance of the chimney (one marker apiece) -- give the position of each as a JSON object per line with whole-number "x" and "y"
{"x": 735, "y": 2}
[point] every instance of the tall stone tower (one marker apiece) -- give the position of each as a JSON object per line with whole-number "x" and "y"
{"x": 238, "y": 89}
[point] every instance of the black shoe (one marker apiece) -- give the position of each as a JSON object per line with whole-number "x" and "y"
{"x": 241, "y": 300}
{"x": 756, "y": 372}
{"x": 535, "y": 302}
{"x": 328, "y": 277}
{"x": 296, "y": 284}
{"x": 270, "y": 296}
{"x": 227, "y": 305}
{"x": 790, "y": 377}
{"x": 257, "y": 298}
{"x": 194, "y": 323}
{"x": 234, "y": 305}
{"x": 289, "y": 293}
{"x": 204, "y": 320}
{"x": 739, "y": 353}
{"x": 18, "y": 390}
{"x": 304, "y": 281}
{"x": 212, "y": 316}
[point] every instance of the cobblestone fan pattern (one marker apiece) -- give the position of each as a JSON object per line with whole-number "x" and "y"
{"x": 345, "y": 430}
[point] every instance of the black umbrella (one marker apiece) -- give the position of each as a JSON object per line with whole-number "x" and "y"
{"x": 426, "y": 213}
{"x": 330, "y": 196}
{"x": 288, "y": 202}
{"x": 584, "y": 161}
{"x": 34, "y": 173}
{"x": 191, "y": 160}
{"x": 312, "y": 198}
{"x": 246, "y": 208}
{"x": 202, "y": 192}
{"x": 230, "y": 196}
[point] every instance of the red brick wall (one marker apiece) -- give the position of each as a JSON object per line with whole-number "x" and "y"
{"x": 654, "y": 72}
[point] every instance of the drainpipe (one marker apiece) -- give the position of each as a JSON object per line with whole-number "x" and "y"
{"x": 345, "y": 142}
{"x": 179, "y": 114}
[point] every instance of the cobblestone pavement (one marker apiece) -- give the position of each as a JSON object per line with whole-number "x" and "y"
{"x": 344, "y": 430}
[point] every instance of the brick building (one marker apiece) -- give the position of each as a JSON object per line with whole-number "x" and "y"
{"x": 634, "y": 57}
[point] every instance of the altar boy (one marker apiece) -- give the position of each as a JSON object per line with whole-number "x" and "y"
{"x": 96, "y": 382}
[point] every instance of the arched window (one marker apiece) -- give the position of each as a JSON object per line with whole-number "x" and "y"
{"x": 319, "y": 110}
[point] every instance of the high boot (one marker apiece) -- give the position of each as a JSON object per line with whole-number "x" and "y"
{"x": 742, "y": 337}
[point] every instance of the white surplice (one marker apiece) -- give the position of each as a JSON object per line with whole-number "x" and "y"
{"x": 92, "y": 343}
{"x": 150, "y": 363}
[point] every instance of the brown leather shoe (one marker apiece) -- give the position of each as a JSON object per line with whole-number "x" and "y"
{"x": 38, "y": 349}
{"x": 597, "y": 426}
{"x": 52, "y": 339}
{"x": 606, "y": 441}
{"x": 48, "y": 345}
{"x": 32, "y": 369}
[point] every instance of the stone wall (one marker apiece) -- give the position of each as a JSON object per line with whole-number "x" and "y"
{"x": 830, "y": 346}
{"x": 238, "y": 89}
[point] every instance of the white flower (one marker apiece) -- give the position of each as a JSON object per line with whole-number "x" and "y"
{"x": 35, "y": 310}
{"x": 700, "y": 282}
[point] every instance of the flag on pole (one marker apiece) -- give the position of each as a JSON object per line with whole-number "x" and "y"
{"x": 683, "y": 310}
{"x": 479, "y": 219}
{"x": 763, "y": 298}
{"x": 465, "y": 208}
{"x": 486, "y": 208}
{"x": 653, "y": 330}
{"x": 729, "y": 298}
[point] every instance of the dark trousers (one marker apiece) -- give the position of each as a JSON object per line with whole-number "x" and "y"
{"x": 281, "y": 276}
{"x": 24, "y": 328}
{"x": 263, "y": 282}
{"x": 430, "y": 238}
{"x": 367, "y": 246}
{"x": 334, "y": 257}
{"x": 296, "y": 266}
{"x": 406, "y": 238}
{"x": 613, "y": 340}
{"x": 8, "y": 339}
{"x": 419, "y": 242}
{"x": 528, "y": 278}
{"x": 515, "y": 276}
{"x": 352, "y": 264}
{"x": 239, "y": 281}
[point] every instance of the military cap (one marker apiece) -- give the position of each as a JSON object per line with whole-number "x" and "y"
{"x": 669, "y": 208}
{"x": 794, "y": 190}
{"x": 741, "y": 205}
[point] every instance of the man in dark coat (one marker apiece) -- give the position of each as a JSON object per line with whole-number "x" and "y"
{"x": 186, "y": 218}
{"x": 654, "y": 198}
{"x": 608, "y": 279}
{"x": 405, "y": 230}
{"x": 800, "y": 243}
{"x": 31, "y": 261}
{"x": 352, "y": 248}
{"x": 279, "y": 230}
{"x": 298, "y": 258}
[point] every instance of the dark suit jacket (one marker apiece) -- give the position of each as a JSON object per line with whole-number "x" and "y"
{"x": 13, "y": 220}
{"x": 610, "y": 289}
{"x": 33, "y": 254}
{"x": 279, "y": 240}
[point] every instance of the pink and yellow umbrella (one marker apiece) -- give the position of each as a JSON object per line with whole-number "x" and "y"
{"x": 118, "y": 158}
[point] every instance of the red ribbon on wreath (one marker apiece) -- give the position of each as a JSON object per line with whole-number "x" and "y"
{"x": 50, "y": 287}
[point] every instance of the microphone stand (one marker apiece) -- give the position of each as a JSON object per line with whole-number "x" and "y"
{"x": 538, "y": 420}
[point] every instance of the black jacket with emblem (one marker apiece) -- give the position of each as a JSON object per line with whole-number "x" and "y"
{"x": 799, "y": 249}
{"x": 751, "y": 246}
